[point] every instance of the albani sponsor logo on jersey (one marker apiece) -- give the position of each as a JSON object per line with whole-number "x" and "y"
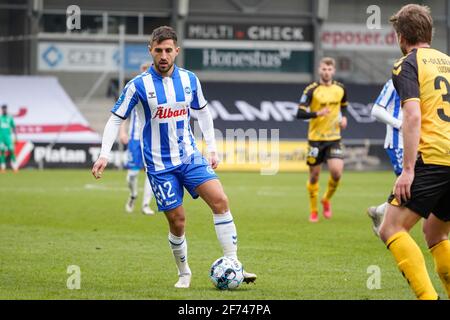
{"x": 164, "y": 113}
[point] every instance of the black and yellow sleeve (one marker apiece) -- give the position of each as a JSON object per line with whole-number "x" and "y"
{"x": 344, "y": 101}
{"x": 305, "y": 102}
{"x": 307, "y": 95}
{"x": 405, "y": 78}
{"x": 303, "y": 113}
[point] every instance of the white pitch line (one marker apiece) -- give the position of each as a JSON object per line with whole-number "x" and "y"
{"x": 103, "y": 187}
{"x": 63, "y": 189}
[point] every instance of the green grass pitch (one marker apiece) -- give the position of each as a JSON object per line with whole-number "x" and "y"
{"x": 52, "y": 219}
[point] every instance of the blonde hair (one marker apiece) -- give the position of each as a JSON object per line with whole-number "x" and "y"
{"x": 328, "y": 61}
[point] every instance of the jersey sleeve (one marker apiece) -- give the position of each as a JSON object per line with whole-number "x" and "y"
{"x": 386, "y": 94}
{"x": 405, "y": 78}
{"x": 306, "y": 98}
{"x": 344, "y": 101}
{"x": 126, "y": 102}
{"x": 198, "y": 100}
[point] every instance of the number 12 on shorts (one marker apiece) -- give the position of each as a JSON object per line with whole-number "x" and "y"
{"x": 168, "y": 186}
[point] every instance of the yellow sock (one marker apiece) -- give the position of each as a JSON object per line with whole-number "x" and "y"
{"x": 411, "y": 263}
{"x": 441, "y": 255}
{"x": 313, "y": 190}
{"x": 331, "y": 189}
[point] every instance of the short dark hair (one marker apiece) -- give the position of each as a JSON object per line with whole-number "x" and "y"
{"x": 414, "y": 23}
{"x": 163, "y": 33}
{"x": 4, "y": 106}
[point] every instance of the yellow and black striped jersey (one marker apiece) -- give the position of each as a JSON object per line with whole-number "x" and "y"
{"x": 317, "y": 96}
{"x": 424, "y": 75}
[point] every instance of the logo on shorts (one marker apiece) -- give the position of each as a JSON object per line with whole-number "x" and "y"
{"x": 169, "y": 202}
{"x": 313, "y": 152}
{"x": 311, "y": 160}
{"x": 210, "y": 170}
{"x": 336, "y": 152}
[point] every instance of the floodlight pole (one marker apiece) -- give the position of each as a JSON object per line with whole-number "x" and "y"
{"x": 121, "y": 75}
{"x": 179, "y": 14}
{"x": 34, "y": 14}
{"x": 122, "y": 56}
{"x": 320, "y": 13}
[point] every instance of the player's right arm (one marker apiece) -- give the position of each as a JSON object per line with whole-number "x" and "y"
{"x": 411, "y": 136}
{"x": 305, "y": 102}
{"x": 405, "y": 80}
{"x": 109, "y": 136}
{"x": 121, "y": 110}
{"x": 303, "y": 113}
{"x": 123, "y": 134}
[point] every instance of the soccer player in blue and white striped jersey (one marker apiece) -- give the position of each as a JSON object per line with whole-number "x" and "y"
{"x": 168, "y": 96}
{"x": 387, "y": 109}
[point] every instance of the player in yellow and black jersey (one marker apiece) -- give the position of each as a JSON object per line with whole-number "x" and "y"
{"x": 422, "y": 80}
{"x": 324, "y": 102}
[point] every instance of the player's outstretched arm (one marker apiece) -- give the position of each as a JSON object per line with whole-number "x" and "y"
{"x": 109, "y": 136}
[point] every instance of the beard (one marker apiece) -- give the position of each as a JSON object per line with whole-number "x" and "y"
{"x": 326, "y": 78}
{"x": 165, "y": 68}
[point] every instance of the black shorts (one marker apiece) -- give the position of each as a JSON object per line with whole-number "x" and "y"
{"x": 430, "y": 191}
{"x": 320, "y": 151}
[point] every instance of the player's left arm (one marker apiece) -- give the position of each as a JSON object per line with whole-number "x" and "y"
{"x": 405, "y": 79}
{"x": 206, "y": 124}
{"x": 200, "y": 108}
{"x": 344, "y": 104}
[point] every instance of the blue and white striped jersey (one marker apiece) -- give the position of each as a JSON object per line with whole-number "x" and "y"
{"x": 166, "y": 136}
{"x": 390, "y": 100}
